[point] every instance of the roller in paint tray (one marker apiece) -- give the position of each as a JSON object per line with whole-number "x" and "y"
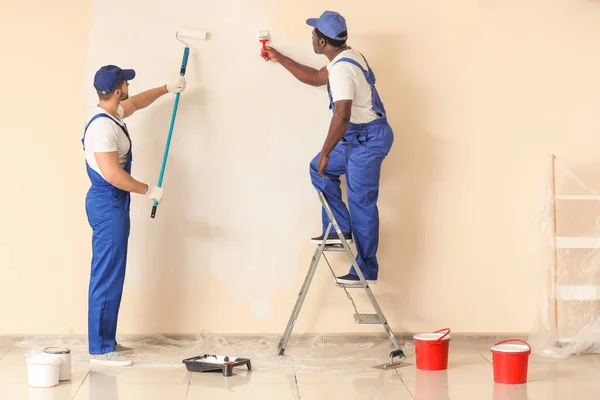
{"x": 212, "y": 362}
{"x": 179, "y": 35}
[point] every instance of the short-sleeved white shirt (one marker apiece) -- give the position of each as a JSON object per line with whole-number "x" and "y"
{"x": 103, "y": 135}
{"x": 348, "y": 82}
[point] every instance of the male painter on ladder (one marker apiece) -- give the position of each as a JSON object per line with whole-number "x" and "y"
{"x": 108, "y": 151}
{"x": 358, "y": 141}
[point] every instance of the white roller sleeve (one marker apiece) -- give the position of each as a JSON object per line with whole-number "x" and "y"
{"x": 192, "y": 34}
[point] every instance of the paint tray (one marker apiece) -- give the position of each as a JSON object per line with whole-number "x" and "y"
{"x": 212, "y": 362}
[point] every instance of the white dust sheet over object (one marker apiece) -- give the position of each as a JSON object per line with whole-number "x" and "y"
{"x": 565, "y": 244}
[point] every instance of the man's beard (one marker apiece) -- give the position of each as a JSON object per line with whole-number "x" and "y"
{"x": 124, "y": 97}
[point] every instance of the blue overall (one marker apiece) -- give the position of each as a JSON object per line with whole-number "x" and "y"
{"x": 107, "y": 209}
{"x": 359, "y": 155}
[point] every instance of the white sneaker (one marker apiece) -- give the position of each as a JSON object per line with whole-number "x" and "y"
{"x": 114, "y": 359}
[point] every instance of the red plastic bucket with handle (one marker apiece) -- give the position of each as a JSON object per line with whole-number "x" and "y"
{"x": 432, "y": 350}
{"x": 511, "y": 361}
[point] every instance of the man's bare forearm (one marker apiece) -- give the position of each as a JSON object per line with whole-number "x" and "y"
{"x": 303, "y": 73}
{"x": 144, "y": 99}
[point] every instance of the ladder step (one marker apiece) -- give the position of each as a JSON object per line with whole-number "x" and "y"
{"x": 367, "y": 319}
{"x": 351, "y": 285}
{"x": 334, "y": 247}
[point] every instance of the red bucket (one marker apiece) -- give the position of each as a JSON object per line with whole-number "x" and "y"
{"x": 432, "y": 350}
{"x": 511, "y": 360}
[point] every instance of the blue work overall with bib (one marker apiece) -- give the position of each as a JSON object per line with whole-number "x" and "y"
{"x": 359, "y": 155}
{"x": 107, "y": 209}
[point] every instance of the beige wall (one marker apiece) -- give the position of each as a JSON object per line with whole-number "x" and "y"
{"x": 479, "y": 95}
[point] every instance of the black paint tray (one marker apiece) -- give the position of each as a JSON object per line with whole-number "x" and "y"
{"x": 212, "y": 362}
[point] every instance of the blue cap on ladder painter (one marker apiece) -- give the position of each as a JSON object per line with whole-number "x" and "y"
{"x": 330, "y": 24}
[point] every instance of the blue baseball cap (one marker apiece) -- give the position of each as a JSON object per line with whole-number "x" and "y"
{"x": 108, "y": 77}
{"x": 330, "y": 24}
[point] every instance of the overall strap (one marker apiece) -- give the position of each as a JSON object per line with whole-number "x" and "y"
{"x": 103, "y": 115}
{"x": 378, "y": 106}
{"x": 331, "y": 105}
{"x": 369, "y": 75}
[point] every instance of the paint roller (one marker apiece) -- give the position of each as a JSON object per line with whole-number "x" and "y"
{"x": 179, "y": 35}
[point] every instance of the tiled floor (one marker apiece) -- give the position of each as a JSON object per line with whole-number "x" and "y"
{"x": 312, "y": 369}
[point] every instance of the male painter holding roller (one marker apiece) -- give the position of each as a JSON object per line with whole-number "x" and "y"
{"x": 108, "y": 151}
{"x": 358, "y": 141}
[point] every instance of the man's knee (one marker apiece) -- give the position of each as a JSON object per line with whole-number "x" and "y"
{"x": 314, "y": 163}
{"x": 314, "y": 168}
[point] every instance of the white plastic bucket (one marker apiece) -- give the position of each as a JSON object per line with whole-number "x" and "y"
{"x": 43, "y": 370}
{"x": 65, "y": 366}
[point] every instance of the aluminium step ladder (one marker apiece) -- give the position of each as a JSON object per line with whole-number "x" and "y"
{"x": 322, "y": 248}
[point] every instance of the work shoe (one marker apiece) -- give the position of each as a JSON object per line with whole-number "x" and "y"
{"x": 123, "y": 350}
{"x": 333, "y": 238}
{"x": 352, "y": 279}
{"x": 112, "y": 359}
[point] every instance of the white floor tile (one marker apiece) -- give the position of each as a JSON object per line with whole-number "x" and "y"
{"x": 340, "y": 377}
{"x": 140, "y": 375}
{"x": 241, "y": 377}
{"x": 111, "y": 390}
{"x": 253, "y": 391}
{"x": 358, "y": 389}
{"x": 561, "y": 390}
{"x": 22, "y": 391}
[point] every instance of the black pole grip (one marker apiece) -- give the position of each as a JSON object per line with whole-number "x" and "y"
{"x": 153, "y": 211}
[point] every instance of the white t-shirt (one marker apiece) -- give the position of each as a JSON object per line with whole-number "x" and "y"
{"x": 103, "y": 135}
{"x": 348, "y": 82}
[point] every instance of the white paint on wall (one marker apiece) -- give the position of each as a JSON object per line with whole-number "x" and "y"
{"x": 237, "y": 188}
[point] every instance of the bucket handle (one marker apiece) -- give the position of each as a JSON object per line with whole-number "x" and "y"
{"x": 514, "y": 340}
{"x": 438, "y": 341}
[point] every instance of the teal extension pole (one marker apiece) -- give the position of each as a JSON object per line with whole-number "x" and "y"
{"x": 186, "y": 53}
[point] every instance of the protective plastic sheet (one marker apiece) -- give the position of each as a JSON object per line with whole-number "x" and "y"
{"x": 567, "y": 259}
{"x": 311, "y": 354}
